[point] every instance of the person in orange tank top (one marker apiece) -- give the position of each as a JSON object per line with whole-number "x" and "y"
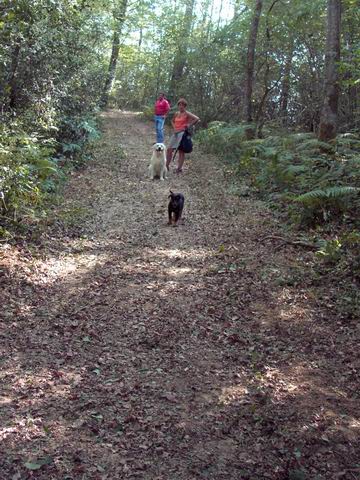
{"x": 181, "y": 120}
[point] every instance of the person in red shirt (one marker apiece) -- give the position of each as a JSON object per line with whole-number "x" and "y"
{"x": 162, "y": 108}
{"x": 182, "y": 119}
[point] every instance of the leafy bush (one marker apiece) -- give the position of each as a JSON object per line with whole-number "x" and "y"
{"x": 76, "y": 139}
{"x": 148, "y": 112}
{"x": 344, "y": 249}
{"x": 27, "y": 171}
{"x": 31, "y": 165}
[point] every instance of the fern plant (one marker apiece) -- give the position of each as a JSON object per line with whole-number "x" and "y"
{"x": 313, "y": 180}
{"x": 336, "y": 194}
{"x": 327, "y": 203}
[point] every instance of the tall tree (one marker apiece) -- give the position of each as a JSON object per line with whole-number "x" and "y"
{"x": 119, "y": 14}
{"x": 180, "y": 56}
{"x": 249, "y": 83}
{"x": 285, "y": 86}
{"x": 329, "y": 113}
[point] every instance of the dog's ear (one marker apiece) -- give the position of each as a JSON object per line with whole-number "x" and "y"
{"x": 171, "y": 194}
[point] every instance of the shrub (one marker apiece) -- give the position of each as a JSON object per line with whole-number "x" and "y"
{"x": 76, "y": 139}
{"x": 314, "y": 181}
{"x": 31, "y": 165}
{"x": 27, "y": 171}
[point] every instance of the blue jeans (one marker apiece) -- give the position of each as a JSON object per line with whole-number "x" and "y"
{"x": 159, "y": 125}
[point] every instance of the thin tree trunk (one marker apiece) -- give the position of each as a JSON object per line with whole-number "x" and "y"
{"x": 251, "y": 63}
{"x": 159, "y": 80}
{"x": 219, "y": 14}
{"x": 285, "y": 88}
{"x": 140, "y": 37}
{"x": 180, "y": 57}
{"x": 119, "y": 17}
{"x": 329, "y": 113}
{"x": 208, "y": 30}
{"x": 351, "y": 105}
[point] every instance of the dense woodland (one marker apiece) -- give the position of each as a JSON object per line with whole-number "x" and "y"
{"x": 276, "y": 84}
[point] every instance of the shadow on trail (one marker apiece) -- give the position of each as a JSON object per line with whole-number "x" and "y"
{"x": 145, "y": 382}
{"x": 168, "y": 357}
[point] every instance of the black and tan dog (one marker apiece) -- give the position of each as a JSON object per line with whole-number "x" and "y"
{"x": 175, "y": 207}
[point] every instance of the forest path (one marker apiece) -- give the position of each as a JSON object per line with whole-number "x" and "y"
{"x": 138, "y": 350}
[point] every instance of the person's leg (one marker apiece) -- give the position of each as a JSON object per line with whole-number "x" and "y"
{"x": 181, "y": 161}
{"x": 169, "y": 154}
{"x": 157, "y": 128}
{"x": 161, "y": 130}
{"x": 159, "y": 125}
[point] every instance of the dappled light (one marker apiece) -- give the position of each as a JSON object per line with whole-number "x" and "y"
{"x": 173, "y": 349}
{"x": 58, "y": 268}
{"x": 216, "y": 339}
{"x": 179, "y": 240}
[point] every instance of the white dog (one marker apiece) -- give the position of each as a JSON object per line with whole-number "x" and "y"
{"x": 157, "y": 166}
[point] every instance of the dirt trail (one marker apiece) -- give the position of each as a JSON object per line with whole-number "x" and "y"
{"x": 137, "y": 350}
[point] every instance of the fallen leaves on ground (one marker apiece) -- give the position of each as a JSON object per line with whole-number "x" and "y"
{"x": 131, "y": 349}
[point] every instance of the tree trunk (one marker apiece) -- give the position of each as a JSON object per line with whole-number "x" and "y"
{"x": 251, "y": 60}
{"x": 119, "y": 17}
{"x": 219, "y": 14}
{"x": 180, "y": 56}
{"x": 12, "y": 83}
{"x": 351, "y": 37}
{"x": 329, "y": 113}
{"x": 140, "y": 37}
{"x": 285, "y": 88}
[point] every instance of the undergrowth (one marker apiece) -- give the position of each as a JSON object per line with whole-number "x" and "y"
{"x": 33, "y": 166}
{"x": 311, "y": 181}
{"x": 313, "y": 186}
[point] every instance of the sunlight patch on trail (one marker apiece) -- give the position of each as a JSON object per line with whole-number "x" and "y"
{"x": 198, "y": 253}
{"x": 234, "y": 393}
{"x": 59, "y": 268}
{"x": 115, "y": 112}
{"x": 294, "y": 309}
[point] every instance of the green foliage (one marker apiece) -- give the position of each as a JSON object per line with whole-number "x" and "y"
{"x": 77, "y": 139}
{"x": 314, "y": 181}
{"x": 148, "y": 112}
{"x": 31, "y": 166}
{"x": 50, "y": 84}
{"x": 27, "y": 171}
{"x": 330, "y": 201}
{"x": 344, "y": 249}
{"x": 223, "y": 139}
{"x": 313, "y": 145}
{"x": 330, "y": 250}
{"x": 339, "y": 270}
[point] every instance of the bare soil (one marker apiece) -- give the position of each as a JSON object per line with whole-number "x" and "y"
{"x": 131, "y": 349}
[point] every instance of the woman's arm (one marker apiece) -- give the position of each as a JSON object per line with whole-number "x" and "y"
{"x": 192, "y": 119}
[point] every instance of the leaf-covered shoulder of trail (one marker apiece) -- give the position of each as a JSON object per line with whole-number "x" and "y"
{"x": 314, "y": 189}
{"x": 136, "y": 350}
